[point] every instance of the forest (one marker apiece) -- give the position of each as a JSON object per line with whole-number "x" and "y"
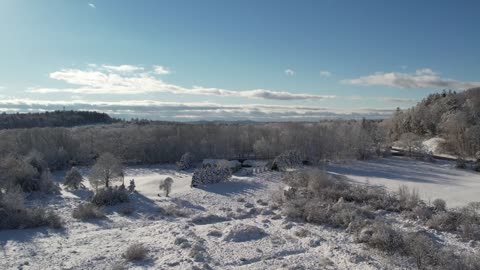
{"x": 53, "y": 119}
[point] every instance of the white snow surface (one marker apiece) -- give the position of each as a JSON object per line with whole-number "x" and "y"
{"x": 231, "y": 225}
{"x": 439, "y": 179}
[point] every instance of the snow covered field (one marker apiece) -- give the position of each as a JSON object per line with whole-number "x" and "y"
{"x": 433, "y": 180}
{"x": 230, "y": 225}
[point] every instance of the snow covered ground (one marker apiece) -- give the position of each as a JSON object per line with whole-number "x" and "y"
{"x": 433, "y": 180}
{"x": 230, "y": 225}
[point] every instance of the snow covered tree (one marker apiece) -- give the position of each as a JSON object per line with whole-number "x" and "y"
{"x": 186, "y": 161}
{"x": 73, "y": 179}
{"x": 166, "y": 186}
{"x": 106, "y": 170}
{"x": 410, "y": 142}
{"x": 210, "y": 174}
{"x": 288, "y": 159}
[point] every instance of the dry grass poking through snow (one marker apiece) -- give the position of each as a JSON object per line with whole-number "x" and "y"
{"x": 316, "y": 197}
{"x": 136, "y": 252}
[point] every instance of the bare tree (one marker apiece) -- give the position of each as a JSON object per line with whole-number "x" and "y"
{"x": 411, "y": 142}
{"x": 106, "y": 170}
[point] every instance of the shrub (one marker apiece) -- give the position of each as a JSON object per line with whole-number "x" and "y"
{"x": 422, "y": 249}
{"x": 465, "y": 221}
{"x": 53, "y": 220}
{"x": 439, "y": 205}
{"x": 443, "y": 221}
{"x": 383, "y": 237}
{"x": 408, "y": 199}
{"x": 110, "y": 196}
{"x": 421, "y": 212}
{"x": 30, "y": 174}
{"x": 288, "y": 159}
{"x": 186, "y": 162}
{"x": 136, "y": 252}
{"x": 210, "y": 175}
{"x": 166, "y": 185}
{"x": 14, "y": 214}
{"x": 87, "y": 211}
{"x": 73, "y": 179}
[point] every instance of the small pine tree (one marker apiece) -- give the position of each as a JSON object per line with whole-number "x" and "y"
{"x": 73, "y": 179}
{"x": 166, "y": 186}
{"x": 131, "y": 186}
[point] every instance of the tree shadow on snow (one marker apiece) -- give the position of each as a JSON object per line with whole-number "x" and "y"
{"x": 400, "y": 169}
{"x": 26, "y": 235}
{"x": 139, "y": 202}
{"x": 232, "y": 188}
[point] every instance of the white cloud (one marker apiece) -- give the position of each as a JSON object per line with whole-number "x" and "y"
{"x": 396, "y": 100}
{"x": 289, "y": 72}
{"x": 195, "y": 111}
{"x": 92, "y": 5}
{"x": 325, "y": 73}
{"x": 161, "y": 70}
{"x": 122, "y": 68}
{"x": 96, "y": 81}
{"x": 422, "y": 78}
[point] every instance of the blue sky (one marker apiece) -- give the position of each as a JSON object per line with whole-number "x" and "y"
{"x": 258, "y": 60}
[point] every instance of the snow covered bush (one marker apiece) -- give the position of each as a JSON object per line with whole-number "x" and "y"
{"x": 186, "y": 162}
{"x": 30, "y": 173}
{"x": 110, "y": 196}
{"x": 381, "y": 236}
{"x": 175, "y": 210}
{"x": 136, "y": 252}
{"x": 14, "y": 214}
{"x": 87, "y": 211}
{"x": 408, "y": 199}
{"x": 439, "y": 205}
{"x": 286, "y": 160}
{"x": 210, "y": 175}
{"x": 73, "y": 179}
{"x": 166, "y": 185}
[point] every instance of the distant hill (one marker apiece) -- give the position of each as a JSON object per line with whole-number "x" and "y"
{"x": 53, "y": 119}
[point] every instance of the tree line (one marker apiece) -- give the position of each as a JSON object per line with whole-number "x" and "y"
{"x": 163, "y": 142}
{"x": 53, "y": 119}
